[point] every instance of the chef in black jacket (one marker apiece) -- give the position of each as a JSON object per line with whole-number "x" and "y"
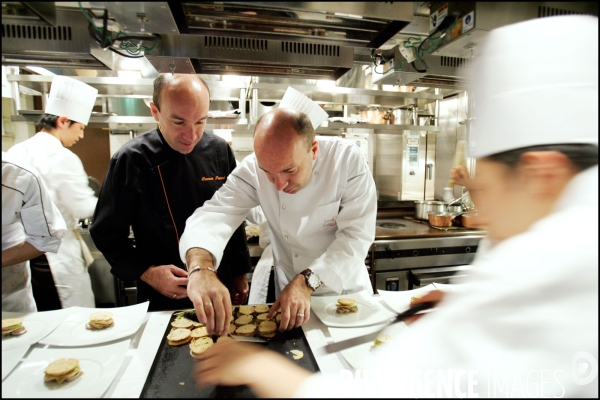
{"x": 153, "y": 184}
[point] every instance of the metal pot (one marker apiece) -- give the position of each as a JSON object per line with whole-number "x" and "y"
{"x": 441, "y": 219}
{"x": 403, "y": 116}
{"x": 426, "y": 120}
{"x": 378, "y": 117}
{"x": 454, "y": 208}
{"x": 422, "y": 208}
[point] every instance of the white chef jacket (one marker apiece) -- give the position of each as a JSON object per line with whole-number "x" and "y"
{"x": 327, "y": 226}
{"x": 29, "y": 215}
{"x": 67, "y": 183}
{"x": 527, "y": 326}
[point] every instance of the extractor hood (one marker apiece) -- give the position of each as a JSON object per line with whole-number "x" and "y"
{"x": 28, "y": 39}
{"x": 308, "y": 40}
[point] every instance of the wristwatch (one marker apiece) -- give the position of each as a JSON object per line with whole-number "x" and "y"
{"x": 312, "y": 279}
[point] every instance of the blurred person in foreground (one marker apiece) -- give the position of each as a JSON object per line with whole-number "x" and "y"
{"x": 319, "y": 199}
{"x": 153, "y": 184}
{"x": 528, "y": 323}
{"x": 31, "y": 226}
{"x": 62, "y": 280}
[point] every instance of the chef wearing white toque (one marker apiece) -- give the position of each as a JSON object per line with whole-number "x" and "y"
{"x": 67, "y": 113}
{"x": 527, "y": 322}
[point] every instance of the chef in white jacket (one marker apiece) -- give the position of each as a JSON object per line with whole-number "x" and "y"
{"x": 527, "y": 325}
{"x": 319, "y": 199}
{"x": 31, "y": 226}
{"x": 67, "y": 113}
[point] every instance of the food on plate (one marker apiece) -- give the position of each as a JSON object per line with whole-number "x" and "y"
{"x": 179, "y": 336}
{"x": 100, "y": 320}
{"x": 278, "y": 318}
{"x": 346, "y": 306}
{"x": 13, "y": 326}
{"x": 297, "y": 354}
{"x": 246, "y": 330}
{"x": 245, "y": 310}
{"x": 267, "y": 329}
{"x": 199, "y": 332}
{"x": 381, "y": 338}
{"x": 244, "y": 320}
{"x": 64, "y": 369}
{"x": 223, "y": 339}
{"x": 262, "y": 317}
{"x": 182, "y": 322}
{"x": 261, "y": 308}
{"x": 200, "y": 345}
{"x": 232, "y": 328}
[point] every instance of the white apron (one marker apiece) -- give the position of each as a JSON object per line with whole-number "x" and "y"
{"x": 67, "y": 183}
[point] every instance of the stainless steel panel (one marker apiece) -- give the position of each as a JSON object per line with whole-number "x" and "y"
{"x": 445, "y": 144}
{"x": 142, "y": 16}
{"x": 381, "y": 280}
{"x": 404, "y": 263}
{"x": 414, "y": 150}
{"x": 430, "y": 166}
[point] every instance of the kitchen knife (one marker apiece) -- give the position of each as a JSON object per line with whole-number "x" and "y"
{"x": 370, "y": 337}
{"x": 248, "y": 338}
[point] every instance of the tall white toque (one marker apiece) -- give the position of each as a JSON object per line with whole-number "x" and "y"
{"x": 536, "y": 83}
{"x": 71, "y": 98}
{"x": 296, "y": 100}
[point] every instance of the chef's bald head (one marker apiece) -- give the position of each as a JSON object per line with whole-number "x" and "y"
{"x": 164, "y": 80}
{"x": 271, "y": 123}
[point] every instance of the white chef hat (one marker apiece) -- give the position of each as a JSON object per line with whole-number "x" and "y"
{"x": 224, "y": 133}
{"x": 296, "y": 100}
{"x": 536, "y": 83}
{"x": 71, "y": 98}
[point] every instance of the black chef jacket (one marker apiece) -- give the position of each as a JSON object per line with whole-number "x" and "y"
{"x": 154, "y": 189}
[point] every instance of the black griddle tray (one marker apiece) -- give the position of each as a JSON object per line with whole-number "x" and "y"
{"x": 171, "y": 371}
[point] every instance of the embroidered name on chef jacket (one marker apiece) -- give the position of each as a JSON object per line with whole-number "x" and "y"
{"x": 329, "y": 222}
{"x": 213, "y": 178}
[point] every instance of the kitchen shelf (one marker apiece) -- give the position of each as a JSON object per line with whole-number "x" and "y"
{"x": 119, "y": 87}
{"x": 344, "y": 95}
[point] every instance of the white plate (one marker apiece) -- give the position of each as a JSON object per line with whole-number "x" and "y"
{"x": 10, "y": 359}
{"x": 370, "y": 312}
{"x": 358, "y": 356}
{"x": 38, "y": 325}
{"x": 72, "y": 332}
{"x": 99, "y": 364}
{"x": 400, "y": 301}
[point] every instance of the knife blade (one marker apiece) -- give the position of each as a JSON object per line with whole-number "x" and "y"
{"x": 248, "y": 338}
{"x": 370, "y": 337}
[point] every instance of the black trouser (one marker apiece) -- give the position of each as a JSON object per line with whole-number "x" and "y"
{"x": 44, "y": 288}
{"x": 271, "y": 287}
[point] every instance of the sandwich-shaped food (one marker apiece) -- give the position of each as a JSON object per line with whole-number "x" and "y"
{"x": 64, "y": 369}
{"x": 262, "y": 317}
{"x": 182, "y": 322}
{"x": 346, "y": 306}
{"x": 267, "y": 329}
{"x": 261, "y": 308}
{"x": 179, "y": 336}
{"x": 100, "y": 320}
{"x": 244, "y": 320}
{"x": 13, "y": 326}
{"x": 246, "y": 330}
{"x": 245, "y": 310}
{"x": 200, "y": 345}
{"x": 381, "y": 338}
{"x": 199, "y": 332}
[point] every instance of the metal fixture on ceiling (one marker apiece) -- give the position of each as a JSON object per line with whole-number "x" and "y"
{"x": 308, "y": 40}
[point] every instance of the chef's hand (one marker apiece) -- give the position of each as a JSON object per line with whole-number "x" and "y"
{"x": 435, "y": 296}
{"x": 210, "y": 297}
{"x": 239, "y": 290}
{"x": 294, "y": 302}
{"x": 232, "y": 363}
{"x": 460, "y": 176}
{"x": 168, "y": 280}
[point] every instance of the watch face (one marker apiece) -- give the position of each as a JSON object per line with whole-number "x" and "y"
{"x": 314, "y": 281}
